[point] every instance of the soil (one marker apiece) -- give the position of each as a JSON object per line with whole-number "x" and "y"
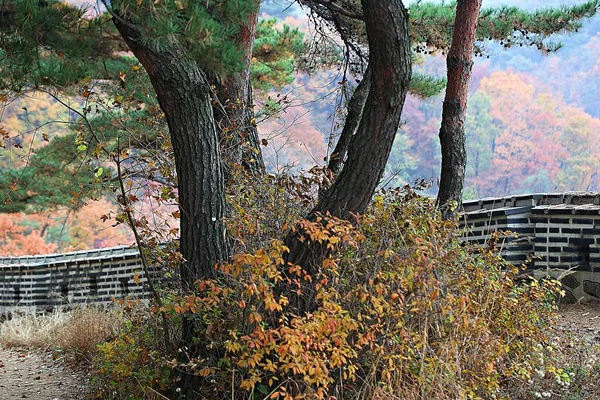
{"x": 34, "y": 374}
{"x": 580, "y": 321}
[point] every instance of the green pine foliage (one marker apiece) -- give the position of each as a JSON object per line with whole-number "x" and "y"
{"x": 52, "y": 43}
{"x": 424, "y": 86}
{"x": 206, "y": 31}
{"x": 274, "y": 54}
{"x": 55, "y": 176}
{"x": 433, "y": 24}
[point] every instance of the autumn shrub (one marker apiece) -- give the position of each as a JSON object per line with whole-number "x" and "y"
{"x": 262, "y": 207}
{"x": 132, "y": 365}
{"x": 400, "y": 308}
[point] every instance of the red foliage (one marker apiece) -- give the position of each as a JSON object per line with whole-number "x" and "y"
{"x": 61, "y": 231}
{"x": 19, "y": 238}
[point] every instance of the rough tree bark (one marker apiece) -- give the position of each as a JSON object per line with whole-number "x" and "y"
{"x": 234, "y": 111}
{"x": 183, "y": 93}
{"x": 452, "y": 130}
{"x": 387, "y": 27}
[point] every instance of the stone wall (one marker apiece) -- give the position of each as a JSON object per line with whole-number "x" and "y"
{"x": 97, "y": 276}
{"x": 560, "y": 233}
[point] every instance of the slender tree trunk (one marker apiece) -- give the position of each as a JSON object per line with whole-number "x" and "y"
{"x": 234, "y": 111}
{"x": 356, "y": 106}
{"x": 452, "y": 130}
{"x": 183, "y": 93}
{"x": 387, "y": 26}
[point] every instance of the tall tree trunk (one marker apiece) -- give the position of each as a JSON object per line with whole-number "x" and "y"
{"x": 452, "y": 130}
{"x": 183, "y": 93}
{"x": 234, "y": 112}
{"x": 387, "y": 27}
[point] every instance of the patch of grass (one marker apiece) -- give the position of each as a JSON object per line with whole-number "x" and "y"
{"x": 31, "y": 330}
{"x": 76, "y": 332}
{"x": 85, "y": 329}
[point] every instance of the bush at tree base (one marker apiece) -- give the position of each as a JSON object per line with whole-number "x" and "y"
{"x": 401, "y": 309}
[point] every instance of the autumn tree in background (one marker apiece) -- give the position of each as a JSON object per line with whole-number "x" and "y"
{"x": 61, "y": 231}
{"x": 21, "y": 239}
{"x": 452, "y": 131}
{"x": 526, "y": 140}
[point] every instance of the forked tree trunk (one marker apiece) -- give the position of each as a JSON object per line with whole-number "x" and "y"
{"x": 452, "y": 130}
{"x": 183, "y": 93}
{"x": 387, "y": 27}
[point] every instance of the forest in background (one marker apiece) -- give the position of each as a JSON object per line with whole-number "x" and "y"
{"x": 532, "y": 126}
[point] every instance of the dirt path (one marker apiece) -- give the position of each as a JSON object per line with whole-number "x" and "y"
{"x": 580, "y": 321}
{"x": 36, "y": 375}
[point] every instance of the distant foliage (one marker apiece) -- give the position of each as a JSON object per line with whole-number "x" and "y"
{"x": 274, "y": 54}
{"x": 25, "y": 126}
{"x": 22, "y": 236}
{"x": 521, "y": 138}
{"x": 61, "y": 230}
{"x": 533, "y": 142}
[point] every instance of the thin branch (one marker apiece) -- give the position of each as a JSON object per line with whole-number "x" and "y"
{"x": 333, "y": 7}
{"x": 138, "y": 240}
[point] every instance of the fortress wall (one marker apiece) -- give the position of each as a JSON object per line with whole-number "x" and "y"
{"x": 560, "y": 232}
{"x": 99, "y": 276}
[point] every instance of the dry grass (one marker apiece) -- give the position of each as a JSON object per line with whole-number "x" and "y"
{"x": 86, "y": 328}
{"x": 31, "y": 330}
{"x": 77, "y": 332}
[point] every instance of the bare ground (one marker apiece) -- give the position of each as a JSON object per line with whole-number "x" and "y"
{"x": 35, "y": 374}
{"x": 580, "y": 321}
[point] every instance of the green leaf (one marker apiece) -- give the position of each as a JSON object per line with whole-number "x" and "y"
{"x": 262, "y": 388}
